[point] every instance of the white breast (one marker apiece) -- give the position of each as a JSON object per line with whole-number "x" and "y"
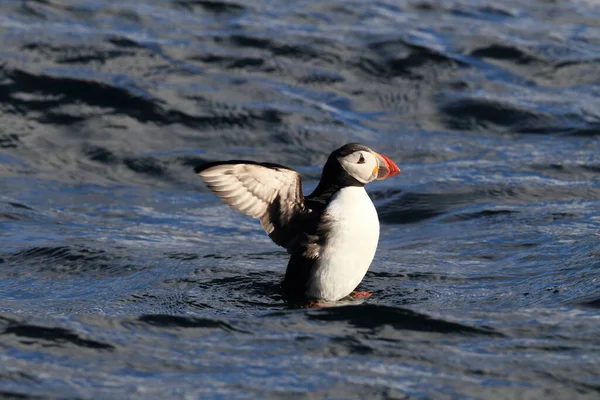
{"x": 350, "y": 247}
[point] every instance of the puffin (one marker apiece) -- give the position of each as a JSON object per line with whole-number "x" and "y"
{"x": 331, "y": 234}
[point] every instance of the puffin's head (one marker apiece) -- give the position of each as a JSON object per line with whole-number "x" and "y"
{"x": 363, "y": 164}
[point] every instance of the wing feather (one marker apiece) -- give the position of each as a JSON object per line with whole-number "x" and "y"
{"x": 270, "y": 192}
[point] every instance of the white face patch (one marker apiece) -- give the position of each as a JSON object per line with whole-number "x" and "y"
{"x": 361, "y": 165}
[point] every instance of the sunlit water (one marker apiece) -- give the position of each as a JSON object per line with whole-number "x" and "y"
{"x": 121, "y": 276}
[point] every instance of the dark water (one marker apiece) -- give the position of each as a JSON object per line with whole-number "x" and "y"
{"x": 122, "y": 277}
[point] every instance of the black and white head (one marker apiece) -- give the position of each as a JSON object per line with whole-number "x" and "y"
{"x": 355, "y": 164}
{"x": 363, "y": 164}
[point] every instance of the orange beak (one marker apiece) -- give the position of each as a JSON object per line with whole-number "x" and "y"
{"x": 385, "y": 167}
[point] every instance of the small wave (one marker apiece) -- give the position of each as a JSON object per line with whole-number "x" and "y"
{"x": 416, "y": 207}
{"x": 11, "y": 211}
{"x": 70, "y": 260}
{"x": 9, "y": 141}
{"x": 505, "y": 52}
{"x": 10, "y": 395}
{"x": 579, "y": 171}
{"x": 216, "y": 7}
{"x": 179, "y": 322}
{"x": 478, "y": 214}
{"x": 470, "y": 114}
{"x": 372, "y": 316}
{"x": 593, "y": 303}
{"x": 410, "y": 207}
{"x": 401, "y": 58}
{"x": 36, "y": 335}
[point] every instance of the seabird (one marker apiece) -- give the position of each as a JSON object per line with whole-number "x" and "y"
{"x": 331, "y": 234}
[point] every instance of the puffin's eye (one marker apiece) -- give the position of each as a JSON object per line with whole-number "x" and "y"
{"x": 361, "y": 160}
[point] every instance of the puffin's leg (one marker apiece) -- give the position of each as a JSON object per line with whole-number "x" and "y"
{"x": 361, "y": 295}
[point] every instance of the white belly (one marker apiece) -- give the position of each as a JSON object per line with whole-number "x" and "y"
{"x": 350, "y": 246}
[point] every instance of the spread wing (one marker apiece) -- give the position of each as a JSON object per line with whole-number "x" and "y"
{"x": 270, "y": 192}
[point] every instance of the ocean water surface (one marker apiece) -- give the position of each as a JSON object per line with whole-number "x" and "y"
{"x": 121, "y": 276}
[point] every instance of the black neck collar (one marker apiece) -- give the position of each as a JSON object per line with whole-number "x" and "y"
{"x": 333, "y": 178}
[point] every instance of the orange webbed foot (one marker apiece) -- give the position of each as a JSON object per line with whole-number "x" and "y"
{"x": 361, "y": 295}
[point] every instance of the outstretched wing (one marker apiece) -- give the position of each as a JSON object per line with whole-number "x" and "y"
{"x": 270, "y": 192}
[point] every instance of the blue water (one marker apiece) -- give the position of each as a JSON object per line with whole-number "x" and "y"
{"x": 121, "y": 276}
